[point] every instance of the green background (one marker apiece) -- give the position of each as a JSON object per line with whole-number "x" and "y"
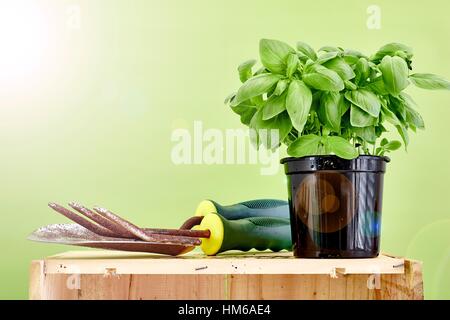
{"x": 91, "y": 119}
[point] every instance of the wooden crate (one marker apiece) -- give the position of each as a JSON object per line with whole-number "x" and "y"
{"x": 121, "y": 275}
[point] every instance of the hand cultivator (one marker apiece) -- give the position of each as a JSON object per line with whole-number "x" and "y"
{"x": 215, "y": 228}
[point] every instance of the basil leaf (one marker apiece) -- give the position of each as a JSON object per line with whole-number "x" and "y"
{"x": 284, "y": 124}
{"x": 316, "y": 100}
{"x": 292, "y": 63}
{"x": 391, "y": 49}
{"x": 274, "y": 106}
{"x": 344, "y": 105}
{"x": 330, "y": 112}
{"x": 367, "y": 133}
{"x": 350, "y": 85}
{"x": 298, "y": 103}
{"x": 245, "y": 70}
{"x": 323, "y": 79}
{"x": 229, "y": 98}
{"x": 377, "y": 86}
{"x": 362, "y": 70}
{"x": 307, "y": 145}
{"x": 395, "y": 74}
{"x": 352, "y": 56}
{"x": 280, "y": 122}
{"x": 306, "y": 50}
{"x": 330, "y": 49}
{"x": 390, "y": 116}
{"x": 403, "y": 132}
{"x": 398, "y": 107}
{"x": 414, "y": 118}
{"x": 273, "y": 55}
{"x": 341, "y": 68}
{"x": 255, "y": 86}
{"x": 350, "y": 59}
{"x": 281, "y": 86}
{"x": 360, "y": 118}
{"x": 392, "y": 145}
{"x": 261, "y": 71}
{"x": 429, "y": 81}
{"x": 245, "y": 111}
{"x": 326, "y": 57}
{"x": 341, "y": 147}
{"x": 366, "y": 100}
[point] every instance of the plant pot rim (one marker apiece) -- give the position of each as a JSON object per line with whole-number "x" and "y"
{"x": 289, "y": 159}
{"x": 363, "y": 163}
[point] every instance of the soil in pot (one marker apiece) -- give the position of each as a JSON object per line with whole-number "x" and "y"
{"x": 335, "y": 205}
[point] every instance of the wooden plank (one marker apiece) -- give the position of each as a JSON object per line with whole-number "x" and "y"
{"x": 197, "y": 287}
{"x": 409, "y": 286}
{"x": 108, "y": 277}
{"x": 242, "y": 287}
{"x": 36, "y": 281}
{"x": 100, "y": 262}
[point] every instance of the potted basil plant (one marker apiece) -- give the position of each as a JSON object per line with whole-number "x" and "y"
{"x": 331, "y": 109}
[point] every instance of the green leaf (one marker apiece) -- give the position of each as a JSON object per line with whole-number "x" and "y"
{"x": 403, "y": 132}
{"x": 392, "y": 145}
{"x": 307, "y": 145}
{"x": 324, "y": 79}
{"x": 391, "y": 49}
{"x": 229, "y": 98}
{"x": 326, "y": 57}
{"x": 280, "y": 122}
{"x": 429, "y": 81}
{"x": 298, "y": 103}
{"x": 245, "y": 111}
{"x": 354, "y": 53}
{"x": 395, "y": 74}
{"x": 379, "y": 151}
{"x": 341, "y": 68}
{"x": 414, "y": 118}
{"x": 245, "y": 70}
{"x": 329, "y": 111}
{"x": 367, "y": 133}
{"x": 281, "y": 86}
{"x": 366, "y": 100}
{"x": 389, "y": 116}
{"x": 377, "y": 86}
{"x": 362, "y": 70}
{"x": 255, "y": 86}
{"x": 330, "y": 49}
{"x": 360, "y": 118}
{"x": 274, "y": 106}
{"x": 316, "y": 100}
{"x": 283, "y": 123}
{"x": 383, "y": 142}
{"x": 306, "y": 50}
{"x": 292, "y": 63}
{"x": 273, "y": 54}
{"x": 344, "y": 105}
{"x": 352, "y": 56}
{"x": 350, "y": 85}
{"x": 341, "y": 147}
{"x": 398, "y": 106}
{"x": 261, "y": 71}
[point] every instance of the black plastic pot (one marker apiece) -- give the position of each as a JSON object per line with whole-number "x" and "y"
{"x": 335, "y": 205}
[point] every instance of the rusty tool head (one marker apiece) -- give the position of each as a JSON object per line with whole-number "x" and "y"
{"x": 76, "y": 235}
{"x": 101, "y": 228}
